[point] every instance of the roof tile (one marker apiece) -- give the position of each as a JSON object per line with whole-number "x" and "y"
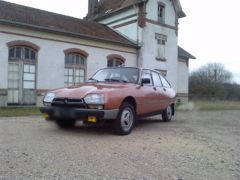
{"x": 21, "y": 14}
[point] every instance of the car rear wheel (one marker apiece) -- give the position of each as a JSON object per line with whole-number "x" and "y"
{"x": 167, "y": 114}
{"x": 65, "y": 123}
{"x": 126, "y": 119}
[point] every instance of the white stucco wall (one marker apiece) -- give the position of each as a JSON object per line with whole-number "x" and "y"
{"x": 148, "y": 52}
{"x": 146, "y": 38}
{"x": 152, "y": 11}
{"x": 183, "y": 77}
{"x": 131, "y": 31}
{"x": 149, "y": 49}
{"x": 51, "y": 56}
{"x": 3, "y": 63}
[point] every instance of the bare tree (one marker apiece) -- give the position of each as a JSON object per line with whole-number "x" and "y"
{"x": 208, "y": 80}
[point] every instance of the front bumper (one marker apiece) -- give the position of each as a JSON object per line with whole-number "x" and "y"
{"x": 78, "y": 114}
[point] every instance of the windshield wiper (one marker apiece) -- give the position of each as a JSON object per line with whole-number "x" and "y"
{"x": 92, "y": 79}
{"x": 116, "y": 80}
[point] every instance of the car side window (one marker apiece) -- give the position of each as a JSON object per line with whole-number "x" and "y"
{"x": 147, "y": 74}
{"x": 156, "y": 80}
{"x": 165, "y": 82}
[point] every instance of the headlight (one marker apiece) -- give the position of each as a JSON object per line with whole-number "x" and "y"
{"x": 48, "y": 98}
{"x": 94, "y": 99}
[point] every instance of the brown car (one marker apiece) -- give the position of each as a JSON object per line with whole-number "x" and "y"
{"x": 120, "y": 95}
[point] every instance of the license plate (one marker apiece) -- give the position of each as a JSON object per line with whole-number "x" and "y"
{"x": 92, "y": 119}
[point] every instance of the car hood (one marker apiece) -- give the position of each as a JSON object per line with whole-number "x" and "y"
{"x": 90, "y": 88}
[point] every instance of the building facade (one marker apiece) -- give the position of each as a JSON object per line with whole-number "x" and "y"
{"x": 40, "y": 50}
{"x": 153, "y": 26}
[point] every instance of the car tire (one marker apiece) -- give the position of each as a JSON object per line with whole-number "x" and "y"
{"x": 65, "y": 123}
{"x": 167, "y": 114}
{"x": 125, "y": 121}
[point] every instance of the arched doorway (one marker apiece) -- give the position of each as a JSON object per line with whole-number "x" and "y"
{"x": 22, "y": 68}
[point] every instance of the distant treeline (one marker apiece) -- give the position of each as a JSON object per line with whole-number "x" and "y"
{"x": 213, "y": 82}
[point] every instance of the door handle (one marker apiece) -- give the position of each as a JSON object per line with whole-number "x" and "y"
{"x": 155, "y": 88}
{"x": 164, "y": 89}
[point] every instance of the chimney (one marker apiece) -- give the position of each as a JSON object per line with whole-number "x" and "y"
{"x": 92, "y": 7}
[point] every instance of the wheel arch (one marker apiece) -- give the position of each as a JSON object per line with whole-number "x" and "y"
{"x": 132, "y": 101}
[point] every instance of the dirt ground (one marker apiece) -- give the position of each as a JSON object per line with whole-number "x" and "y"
{"x": 195, "y": 145}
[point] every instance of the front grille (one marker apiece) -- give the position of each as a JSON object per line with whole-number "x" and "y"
{"x": 68, "y": 102}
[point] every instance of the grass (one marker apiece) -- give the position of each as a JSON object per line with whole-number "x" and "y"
{"x": 21, "y": 111}
{"x": 195, "y": 105}
{"x": 210, "y": 105}
{"x": 217, "y": 105}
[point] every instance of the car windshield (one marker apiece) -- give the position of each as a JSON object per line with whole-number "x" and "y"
{"x": 123, "y": 75}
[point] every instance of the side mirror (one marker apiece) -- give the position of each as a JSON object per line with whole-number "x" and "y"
{"x": 146, "y": 81}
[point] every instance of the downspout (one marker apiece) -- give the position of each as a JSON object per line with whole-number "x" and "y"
{"x": 141, "y": 24}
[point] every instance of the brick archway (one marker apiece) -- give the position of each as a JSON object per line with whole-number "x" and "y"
{"x": 77, "y": 51}
{"x": 116, "y": 56}
{"x": 23, "y": 43}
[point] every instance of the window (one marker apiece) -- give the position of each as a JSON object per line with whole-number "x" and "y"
{"x": 165, "y": 82}
{"x": 115, "y": 63}
{"x": 147, "y": 74}
{"x": 26, "y": 54}
{"x": 161, "y": 45}
{"x": 156, "y": 79}
{"x": 75, "y": 69}
{"x": 29, "y": 76}
{"x": 126, "y": 75}
{"x": 161, "y": 13}
{"x": 115, "y": 60}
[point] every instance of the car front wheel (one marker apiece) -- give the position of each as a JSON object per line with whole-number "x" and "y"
{"x": 167, "y": 114}
{"x": 126, "y": 119}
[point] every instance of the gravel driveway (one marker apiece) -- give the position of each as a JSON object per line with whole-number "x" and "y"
{"x": 195, "y": 145}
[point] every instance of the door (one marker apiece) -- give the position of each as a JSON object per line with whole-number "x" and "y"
{"x": 22, "y": 76}
{"x": 149, "y": 102}
{"x": 167, "y": 91}
{"x": 161, "y": 96}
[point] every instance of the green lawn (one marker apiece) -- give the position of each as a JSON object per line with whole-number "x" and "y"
{"x": 217, "y": 105}
{"x": 195, "y": 105}
{"x": 15, "y": 112}
{"x": 211, "y": 105}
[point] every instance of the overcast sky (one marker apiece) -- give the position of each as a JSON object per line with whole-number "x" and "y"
{"x": 211, "y": 30}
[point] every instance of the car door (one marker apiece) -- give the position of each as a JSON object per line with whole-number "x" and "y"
{"x": 149, "y": 101}
{"x": 160, "y": 93}
{"x": 167, "y": 90}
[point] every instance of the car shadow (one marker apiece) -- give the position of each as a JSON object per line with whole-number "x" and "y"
{"x": 107, "y": 129}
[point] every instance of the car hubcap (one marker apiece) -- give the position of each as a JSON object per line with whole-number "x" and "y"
{"x": 169, "y": 112}
{"x": 127, "y": 119}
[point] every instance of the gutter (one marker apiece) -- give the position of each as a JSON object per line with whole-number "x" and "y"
{"x": 63, "y": 32}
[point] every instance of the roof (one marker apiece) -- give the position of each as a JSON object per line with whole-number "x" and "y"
{"x": 106, "y": 7}
{"x": 112, "y": 5}
{"x": 184, "y": 54}
{"x": 18, "y": 15}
